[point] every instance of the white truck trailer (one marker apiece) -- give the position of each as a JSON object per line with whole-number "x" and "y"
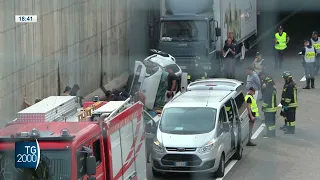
{"x": 190, "y": 28}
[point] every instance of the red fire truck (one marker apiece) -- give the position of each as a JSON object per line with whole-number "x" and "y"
{"x": 111, "y": 147}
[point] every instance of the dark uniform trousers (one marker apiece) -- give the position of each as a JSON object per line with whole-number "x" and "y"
{"x": 291, "y": 119}
{"x": 270, "y": 121}
{"x": 229, "y": 67}
{"x": 289, "y": 99}
{"x": 269, "y": 107}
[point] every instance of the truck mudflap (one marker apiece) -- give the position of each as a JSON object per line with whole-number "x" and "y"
{"x": 126, "y": 144}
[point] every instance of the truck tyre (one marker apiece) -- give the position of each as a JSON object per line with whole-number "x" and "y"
{"x": 238, "y": 154}
{"x": 156, "y": 173}
{"x": 220, "y": 172}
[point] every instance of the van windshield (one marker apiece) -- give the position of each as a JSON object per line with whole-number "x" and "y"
{"x": 54, "y": 165}
{"x": 188, "y": 120}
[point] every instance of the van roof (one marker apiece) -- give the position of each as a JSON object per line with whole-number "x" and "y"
{"x": 200, "y": 98}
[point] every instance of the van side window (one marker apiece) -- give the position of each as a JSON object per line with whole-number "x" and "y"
{"x": 97, "y": 151}
{"x": 222, "y": 115}
{"x": 240, "y": 103}
{"x": 221, "y": 120}
{"x": 230, "y": 111}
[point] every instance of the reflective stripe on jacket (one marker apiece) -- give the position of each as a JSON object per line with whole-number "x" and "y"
{"x": 254, "y": 106}
{"x": 289, "y": 95}
{"x": 270, "y": 101}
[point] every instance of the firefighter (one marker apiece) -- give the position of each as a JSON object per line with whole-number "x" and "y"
{"x": 269, "y": 106}
{"x": 267, "y": 80}
{"x": 289, "y": 103}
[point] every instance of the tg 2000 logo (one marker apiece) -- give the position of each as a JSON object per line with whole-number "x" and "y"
{"x": 27, "y": 154}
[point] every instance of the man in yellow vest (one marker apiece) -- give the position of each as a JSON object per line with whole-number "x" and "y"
{"x": 315, "y": 42}
{"x": 253, "y": 111}
{"x": 281, "y": 41}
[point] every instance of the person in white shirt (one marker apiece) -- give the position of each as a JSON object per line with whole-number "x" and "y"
{"x": 258, "y": 63}
{"x": 253, "y": 80}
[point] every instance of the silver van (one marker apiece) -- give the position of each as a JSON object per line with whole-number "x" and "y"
{"x": 201, "y": 129}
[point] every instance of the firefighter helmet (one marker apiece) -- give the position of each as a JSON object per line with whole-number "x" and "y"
{"x": 286, "y": 75}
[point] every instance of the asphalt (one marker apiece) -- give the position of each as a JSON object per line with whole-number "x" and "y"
{"x": 285, "y": 157}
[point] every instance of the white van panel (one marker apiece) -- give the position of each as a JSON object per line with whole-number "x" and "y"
{"x": 149, "y": 88}
{"x": 141, "y": 72}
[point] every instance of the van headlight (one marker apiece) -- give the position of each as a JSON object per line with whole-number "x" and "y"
{"x": 157, "y": 146}
{"x": 209, "y": 146}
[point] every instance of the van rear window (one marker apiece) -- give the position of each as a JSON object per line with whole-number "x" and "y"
{"x": 188, "y": 120}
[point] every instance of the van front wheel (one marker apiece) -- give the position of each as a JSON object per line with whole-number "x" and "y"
{"x": 220, "y": 172}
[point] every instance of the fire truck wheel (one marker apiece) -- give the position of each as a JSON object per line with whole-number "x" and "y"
{"x": 156, "y": 173}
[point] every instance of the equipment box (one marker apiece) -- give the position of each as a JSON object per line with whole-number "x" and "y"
{"x": 50, "y": 109}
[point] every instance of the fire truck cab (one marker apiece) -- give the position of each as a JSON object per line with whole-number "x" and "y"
{"x": 110, "y": 147}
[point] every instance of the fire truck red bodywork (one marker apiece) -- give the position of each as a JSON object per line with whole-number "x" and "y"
{"x": 85, "y": 133}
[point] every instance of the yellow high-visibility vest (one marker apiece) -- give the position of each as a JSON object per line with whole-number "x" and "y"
{"x": 254, "y": 106}
{"x": 316, "y": 44}
{"x": 282, "y": 41}
{"x": 310, "y": 55}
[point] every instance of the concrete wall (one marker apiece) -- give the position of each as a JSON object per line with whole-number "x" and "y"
{"x": 73, "y": 39}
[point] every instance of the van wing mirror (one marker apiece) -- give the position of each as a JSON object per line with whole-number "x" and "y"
{"x": 91, "y": 165}
{"x": 226, "y": 127}
{"x": 151, "y": 128}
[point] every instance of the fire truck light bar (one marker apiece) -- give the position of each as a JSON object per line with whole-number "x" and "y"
{"x": 40, "y": 136}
